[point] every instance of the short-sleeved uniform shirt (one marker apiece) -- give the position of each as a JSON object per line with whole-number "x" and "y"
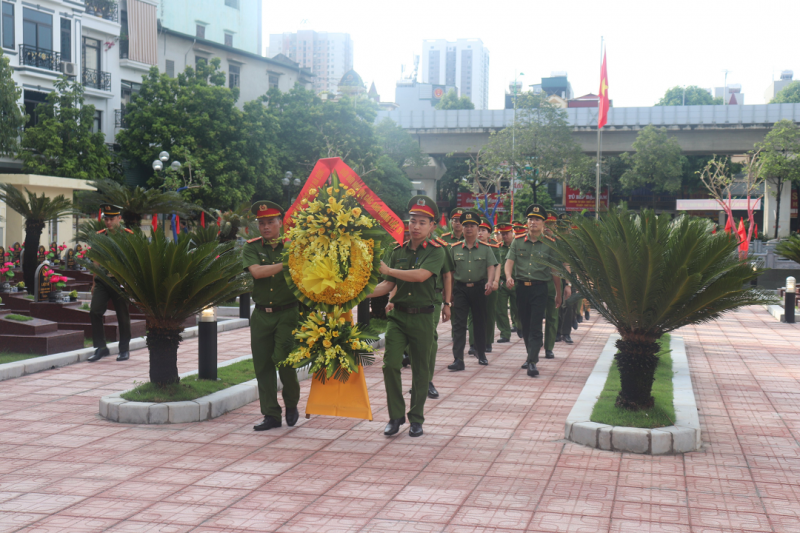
{"x": 450, "y": 239}
{"x": 502, "y": 253}
{"x": 472, "y": 264}
{"x": 447, "y": 266}
{"x": 272, "y": 291}
{"x": 428, "y": 256}
{"x": 528, "y": 255}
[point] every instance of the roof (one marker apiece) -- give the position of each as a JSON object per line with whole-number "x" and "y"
{"x": 351, "y": 79}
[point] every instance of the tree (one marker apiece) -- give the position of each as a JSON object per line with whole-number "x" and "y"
{"x": 12, "y": 118}
{"x": 451, "y": 101}
{"x": 398, "y": 144}
{"x": 36, "y": 210}
{"x": 194, "y": 117}
{"x": 788, "y": 95}
{"x": 135, "y": 202}
{"x": 691, "y": 95}
{"x": 648, "y": 275}
{"x": 62, "y": 143}
{"x": 656, "y": 163}
{"x": 781, "y": 161}
{"x": 169, "y": 282}
{"x": 582, "y": 175}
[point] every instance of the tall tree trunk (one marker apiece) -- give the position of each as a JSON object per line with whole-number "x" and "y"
{"x": 779, "y": 191}
{"x": 163, "y": 346}
{"x": 33, "y": 232}
{"x": 637, "y": 362}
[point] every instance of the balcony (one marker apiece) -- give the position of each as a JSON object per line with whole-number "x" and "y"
{"x": 96, "y": 79}
{"x": 105, "y": 9}
{"x": 30, "y": 56}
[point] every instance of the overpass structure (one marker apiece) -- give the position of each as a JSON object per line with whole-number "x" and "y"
{"x": 708, "y": 129}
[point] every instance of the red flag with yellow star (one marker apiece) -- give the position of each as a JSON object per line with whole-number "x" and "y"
{"x": 602, "y": 115}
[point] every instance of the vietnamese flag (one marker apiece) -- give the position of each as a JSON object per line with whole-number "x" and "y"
{"x": 728, "y": 225}
{"x": 603, "y": 104}
{"x": 742, "y": 236}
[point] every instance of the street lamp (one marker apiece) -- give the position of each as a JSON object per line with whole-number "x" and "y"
{"x": 287, "y": 185}
{"x": 207, "y": 344}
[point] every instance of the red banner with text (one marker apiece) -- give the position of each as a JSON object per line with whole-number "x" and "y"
{"x": 574, "y": 200}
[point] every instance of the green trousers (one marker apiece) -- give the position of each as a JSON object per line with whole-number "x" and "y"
{"x": 506, "y": 297}
{"x": 437, "y": 314}
{"x": 550, "y": 318}
{"x": 271, "y": 340}
{"x": 101, "y": 294}
{"x": 491, "y": 305}
{"x": 416, "y": 332}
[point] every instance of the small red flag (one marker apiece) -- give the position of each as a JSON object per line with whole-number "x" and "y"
{"x": 177, "y": 224}
{"x": 99, "y": 214}
{"x": 202, "y": 219}
{"x": 154, "y": 223}
{"x": 443, "y": 222}
{"x": 742, "y": 235}
{"x": 755, "y": 231}
{"x": 603, "y": 104}
{"x": 729, "y": 225}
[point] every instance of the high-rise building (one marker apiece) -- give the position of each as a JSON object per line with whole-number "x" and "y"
{"x": 463, "y": 63}
{"x": 327, "y": 55}
{"x": 776, "y": 85}
{"x": 234, "y": 23}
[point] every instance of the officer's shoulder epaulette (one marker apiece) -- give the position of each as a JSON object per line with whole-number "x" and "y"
{"x": 492, "y": 245}
{"x": 447, "y": 234}
{"x": 101, "y": 231}
{"x": 456, "y": 244}
{"x": 435, "y": 243}
{"x": 520, "y": 236}
{"x": 254, "y": 240}
{"x": 128, "y": 230}
{"x": 400, "y": 245}
{"x": 549, "y": 237}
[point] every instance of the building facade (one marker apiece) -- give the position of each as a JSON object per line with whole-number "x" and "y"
{"x": 463, "y": 63}
{"x": 329, "y": 56}
{"x": 233, "y": 23}
{"x": 776, "y": 85}
{"x": 412, "y": 96}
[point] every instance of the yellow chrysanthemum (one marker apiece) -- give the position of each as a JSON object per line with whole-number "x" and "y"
{"x": 356, "y": 212}
{"x": 326, "y": 343}
{"x": 319, "y": 275}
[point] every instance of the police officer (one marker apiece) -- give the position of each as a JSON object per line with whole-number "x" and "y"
{"x": 505, "y": 296}
{"x": 413, "y": 268}
{"x": 275, "y": 316}
{"x": 485, "y": 231}
{"x": 457, "y": 232}
{"x": 102, "y": 293}
{"x": 472, "y": 282}
{"x": 551, "y": 314}
{"x": 567, "y": 310}
{"x": 525, "y": 270}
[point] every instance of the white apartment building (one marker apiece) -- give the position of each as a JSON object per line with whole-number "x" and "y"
{"x": 463, "y": 63}
{"x": 327, "y": 55}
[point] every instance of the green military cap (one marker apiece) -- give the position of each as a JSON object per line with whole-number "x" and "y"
{"x": 551, "y": 216}
{"x": 457, "y": 212}
{"x": 266, "y": 209}
{"x": 486, "y": 224}
{"x": 470, "y": 217}
{"x": 110, "y": 210}
{"x": 536, "y": 211}
{"x": 405, "y": 225}
{"x": 423, "y": 205}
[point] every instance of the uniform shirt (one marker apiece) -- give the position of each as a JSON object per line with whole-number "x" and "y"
{"x": 428, "y": 256}
{"x": 447, "y": 266}
{"x": 272, "y": 291}
{"x": 528, "y": 255}
{"x": 450, "y": 239}
{"x": 502, "y": 254}
{"x": 472, "y": 264}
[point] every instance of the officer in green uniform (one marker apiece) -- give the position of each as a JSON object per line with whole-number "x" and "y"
{"x": 485, "y": 231}
{"x": 551, "y": 314}
{"x": 413, "y": 268}
{"x": 567, "y": 310}
{"x": 102, "y": 293}
{"x": 505, "y": 296}
{"x": 275, "y": 316}
{"x": 473, "y": 276}
{"x": 525, "y": 270}
{"x": 457, "y": 233}
{"x": 519, "y": 229}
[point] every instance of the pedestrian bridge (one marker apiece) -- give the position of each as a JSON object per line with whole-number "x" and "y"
{"x": 706, "y": 129}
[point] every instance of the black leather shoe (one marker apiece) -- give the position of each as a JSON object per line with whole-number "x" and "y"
{"x": 579, "y": 319}
{"x": 291, "y": 416}
{"x": 488, "y": 348}
{"x": 575, "y": 323}
{"x": 519, "y": 333}
{"x": 471, "y": 350}
{"x": 432, "y": 392}
{"x": 532, "y": 372}
{"x": 393, "y": 426}
{"x": 568, "y": 339}
{"x": 482, "y": 360}
{"x": 268, "y": 423}
{"x": 458, "y": 364}
{"x": 559, "y": 338}
{"x": 124, "y": 356}
{"x": 415, "y": 430}
{"x": 548, "y": 354}
{"x": 587, "y": 315}
{"x": 406, "y": 361}
{"x": 524, "y": 366}
{"x": 98, "y": 354}
{"x": 501, "y": 339}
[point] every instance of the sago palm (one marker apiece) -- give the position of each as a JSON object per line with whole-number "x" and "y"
{"x": 790, "y": 248}
{"x": 649, "y": 275}
{"x": 135, "y": 202}
{"x": 37, "y": 210}
{"x": 169, "y": 282}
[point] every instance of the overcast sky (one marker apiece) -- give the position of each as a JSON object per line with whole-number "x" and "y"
{"x": 651, "y": 45}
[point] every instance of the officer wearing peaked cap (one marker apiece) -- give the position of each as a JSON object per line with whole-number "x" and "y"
{"x": 275, "y": 316}
{"x": 413, "y": 268}
{"x": 485, "y": 230}
{"x": 526, "y": 270}
{"x": 551, "y": 314}
{"x": 456, "y": 234}
{"x": 506, "y": 298}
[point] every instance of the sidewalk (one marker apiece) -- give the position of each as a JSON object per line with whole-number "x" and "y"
{"x": 492, "y": 459}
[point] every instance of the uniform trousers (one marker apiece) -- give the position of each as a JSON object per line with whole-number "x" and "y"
{"x": 566, "y": 314}
{"x": 551, "y": 317}
{"x": 506, "y": 298}
{"x": 531, "y": 306}
{"x": 490, "y": 319}
{"x": 466, "y": 299}
{"x": 101, "y": 294}
{"x": 271, "y": 341}
{"x": 414, "y": 331}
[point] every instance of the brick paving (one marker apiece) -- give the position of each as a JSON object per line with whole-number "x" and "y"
{"x": 492, "y": 459}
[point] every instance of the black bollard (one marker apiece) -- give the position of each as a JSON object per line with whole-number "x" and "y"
{"x": 790, "y": 299}
{"x": 207, "y": 344}
{"x": 244, "y": 305}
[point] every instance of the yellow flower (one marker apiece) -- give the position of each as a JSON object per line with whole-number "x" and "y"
{"x": 326, "y": 343}
{"x": 342, "y": 320}
{"x": 310, "y": 219}
{"x": 322, "y": 330}
{"x": 354, "y": 345}
{"x": 344, "y": 218}
{"x": 356, "y": 211}
{"x": 335, "y": 333}
{"x": 304, "y": 202}
{"x": 312, "y": 192}
{"x": 351, "y": 192}
{"x": 320, "y": 275}
{"x": 330, "y": 190}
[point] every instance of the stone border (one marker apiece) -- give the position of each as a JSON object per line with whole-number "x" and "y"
{"x": 683, "y": 437}
{"x": 777, "y": 311}
{"x": 56, "y": 360}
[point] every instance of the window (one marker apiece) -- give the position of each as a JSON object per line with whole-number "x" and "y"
{"x": 273, "y": 81}
{"x": 233, "y": 76}
{"x": 91, "y": 54}
{"x": 66, "y": 40}
{"x": 199, "y": 61}
{"x": 232, "y": 3}
{"x": 8, "y": 25}
{"x": 170, "y": 68}
{"x": 128, "y": 89}
{"x": 37, "y": 29}
{"x": 97, "y": 125}
{"x": 200, "y": 32}
{"x": 228, "y": 39}
{"x": 31, "y": 100}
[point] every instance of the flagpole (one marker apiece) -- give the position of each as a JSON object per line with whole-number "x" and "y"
{"x": 599, "y": 149}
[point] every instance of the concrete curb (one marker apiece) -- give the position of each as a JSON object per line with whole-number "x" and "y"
{"x": 683, "y": 437}
{"x": 56, "y": 360}
{"x": 777, "y": 311}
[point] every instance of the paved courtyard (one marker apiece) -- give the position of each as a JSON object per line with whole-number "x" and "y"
{"x": 492, "y": 459}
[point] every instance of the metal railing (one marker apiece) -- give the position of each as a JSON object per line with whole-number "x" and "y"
{"x": 31, "y": 56}
{"x": 105, "y": 10}
{"x": 96, "y": 79}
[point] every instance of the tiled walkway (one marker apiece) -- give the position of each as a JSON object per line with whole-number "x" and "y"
{"x": 492, "y": 458}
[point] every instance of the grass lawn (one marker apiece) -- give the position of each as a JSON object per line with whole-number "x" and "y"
{"x": 87, "y": 342}
{"x": 10, "y": 357}
{"x": 191, "y": 388}
{"x": 662, "y": 413}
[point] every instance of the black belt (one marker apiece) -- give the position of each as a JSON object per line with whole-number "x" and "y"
{"x": 530, "y": 283}
{"x": 414, "y": 310}
{"x": 275, "y": 309}
{"x": 479, "y": 283}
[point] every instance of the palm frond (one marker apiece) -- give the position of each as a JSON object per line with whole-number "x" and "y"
{"x": 35, "y": 209}
{"x": 136, "y": 202}
{"x": 789, "y": 249}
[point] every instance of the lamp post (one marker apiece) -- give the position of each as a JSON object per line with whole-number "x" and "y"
{"x": 158, "y": 166}
{"x": 789, "y": 299}
{"x": 207, "y": 344}
{"x": 244, "y": 305}
{"x": 287, "y": 186}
